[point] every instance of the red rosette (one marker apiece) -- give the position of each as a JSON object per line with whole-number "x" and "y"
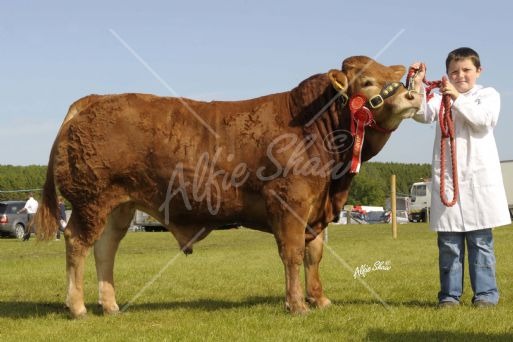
{"x": 363, "y": 115}
{"x": 356, "y": 102}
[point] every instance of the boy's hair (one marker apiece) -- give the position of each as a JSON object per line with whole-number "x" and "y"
{"x": 462, "y": 53}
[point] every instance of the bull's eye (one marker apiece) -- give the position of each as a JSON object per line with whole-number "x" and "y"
{"x": 368, "y": 83}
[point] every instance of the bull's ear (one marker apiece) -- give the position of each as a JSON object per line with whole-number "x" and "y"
{"x": 398, "y": 70}
{"x": 338, "y": 80}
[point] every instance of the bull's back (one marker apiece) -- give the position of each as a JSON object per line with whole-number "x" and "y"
{"x": 138, "y": 142}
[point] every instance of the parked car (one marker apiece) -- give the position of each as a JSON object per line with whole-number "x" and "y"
{"x": 386, "y": 217}
{"x": 376, "y": 217}
{"x": 356, "y": 218}
{"x": 12, "y": 223}
{"x": 401, "y": 217}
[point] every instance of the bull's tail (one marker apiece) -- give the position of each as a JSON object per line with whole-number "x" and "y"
{"x": 47, "y": 217}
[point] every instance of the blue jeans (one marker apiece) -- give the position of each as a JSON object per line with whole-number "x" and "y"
{"x": 481, "y": 262}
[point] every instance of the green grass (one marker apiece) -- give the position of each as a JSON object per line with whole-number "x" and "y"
{"x": 232, "y": 288}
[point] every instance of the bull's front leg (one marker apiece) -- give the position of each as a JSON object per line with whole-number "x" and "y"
{"x": 313, "y": 256}
{"x": 291, "y": 245}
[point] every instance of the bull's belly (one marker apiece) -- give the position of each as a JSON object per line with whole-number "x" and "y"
{"x": 246, "y": 210}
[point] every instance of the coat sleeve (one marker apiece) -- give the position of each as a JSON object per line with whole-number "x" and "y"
{"x": 427, "y": 111}
{"x": 479, "y": 112}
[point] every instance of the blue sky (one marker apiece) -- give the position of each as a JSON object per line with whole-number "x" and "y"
{"x": 54, "y": 52}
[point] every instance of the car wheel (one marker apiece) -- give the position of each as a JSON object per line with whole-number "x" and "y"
{"x": 19, "y": 231}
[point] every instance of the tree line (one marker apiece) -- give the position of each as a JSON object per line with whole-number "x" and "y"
{"x": 370, "y": 187}
{"x": 14, "y": 178}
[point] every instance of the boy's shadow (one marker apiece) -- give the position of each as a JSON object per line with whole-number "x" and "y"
{"x": 435, "y": 335}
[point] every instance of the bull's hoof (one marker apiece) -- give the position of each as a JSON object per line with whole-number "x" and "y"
{"x": 297, "y": 309}
{"x": 320, "y": 303}
{"x": 111, "y": 310}
{"x": 79, "y": 314}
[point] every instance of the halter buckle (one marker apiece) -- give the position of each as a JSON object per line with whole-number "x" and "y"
{"x": 376, "y": 101}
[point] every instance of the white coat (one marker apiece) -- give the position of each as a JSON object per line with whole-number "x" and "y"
{"x": 31, "y": 205}
{"x": 482, "y": 200}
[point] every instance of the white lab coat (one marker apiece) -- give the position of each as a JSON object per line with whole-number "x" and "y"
{"x": 31, "y": 205}
{"x": 482, "y": 200}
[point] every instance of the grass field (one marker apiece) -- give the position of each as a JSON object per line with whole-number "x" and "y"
{"x": 232, "y": 288}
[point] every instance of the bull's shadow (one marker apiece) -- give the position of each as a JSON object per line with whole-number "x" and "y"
{"x": 42, "y": 309}
{"x": 21, "y": 310}
{"x": 208, "y": 304}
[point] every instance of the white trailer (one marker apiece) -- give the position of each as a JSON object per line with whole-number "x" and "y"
{"x": 420, "y": 195}
{"x": 143, "y": 221}
{"x": 401, "y": 203}
{"x": 507, "y": 177}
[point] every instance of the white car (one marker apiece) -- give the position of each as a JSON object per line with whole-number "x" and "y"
{"x": 401, "y": 217}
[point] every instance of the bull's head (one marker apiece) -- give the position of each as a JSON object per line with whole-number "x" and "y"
{"x": 388, "y": 99}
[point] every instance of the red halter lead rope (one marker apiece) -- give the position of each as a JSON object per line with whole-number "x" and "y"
{"x": 447, "y": 129}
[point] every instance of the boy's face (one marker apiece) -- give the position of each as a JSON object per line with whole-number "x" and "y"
{"x": 463, "y": 74}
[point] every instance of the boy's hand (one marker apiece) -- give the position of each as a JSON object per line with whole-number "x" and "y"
{"x": 421, "y": 67}
{"x": 422, "y": 70}
{"x": 448, "y": 89}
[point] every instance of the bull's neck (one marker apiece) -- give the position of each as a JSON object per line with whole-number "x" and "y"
{"x": 374, "y": 143}
{"x": 312, "y": 107}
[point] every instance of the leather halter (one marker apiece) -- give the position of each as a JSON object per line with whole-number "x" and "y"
{"x": 362, "y": 117}
{"x": 374, "y": 102}
{"x": 388, "y": 90}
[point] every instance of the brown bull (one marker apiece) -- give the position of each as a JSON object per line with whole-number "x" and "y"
{"x": 270, "y": 163}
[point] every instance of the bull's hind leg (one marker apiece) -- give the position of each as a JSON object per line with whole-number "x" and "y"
{"x": 77, "y": 248}
{"x": 85, "y": 226}
{"x": 313, "y": 256}
{"x": 105, "y": 251}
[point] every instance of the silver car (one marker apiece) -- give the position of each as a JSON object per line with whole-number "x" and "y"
{"x": 12, "y": 223}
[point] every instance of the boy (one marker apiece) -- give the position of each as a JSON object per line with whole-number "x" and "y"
{"x": 481, "y": 204}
